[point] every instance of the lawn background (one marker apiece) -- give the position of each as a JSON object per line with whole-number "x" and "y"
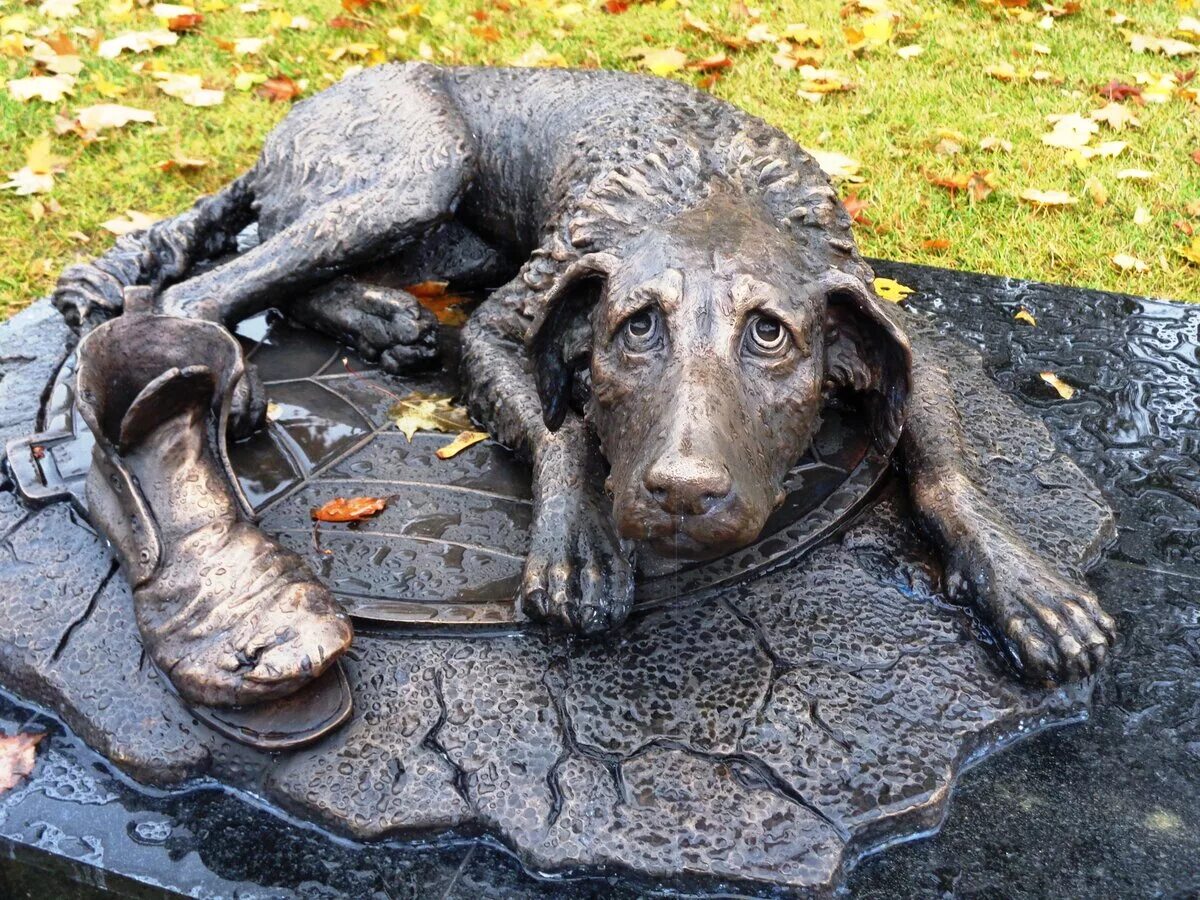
{"x": 899, "y": 121}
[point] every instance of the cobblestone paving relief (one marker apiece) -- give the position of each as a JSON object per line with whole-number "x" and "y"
{"x": 766, "y": 719}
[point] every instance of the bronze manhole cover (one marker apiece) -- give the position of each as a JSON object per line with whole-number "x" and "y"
{"x": 448, "y": 549}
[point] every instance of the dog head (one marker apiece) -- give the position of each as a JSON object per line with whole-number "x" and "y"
{"x": 701, "y": 351}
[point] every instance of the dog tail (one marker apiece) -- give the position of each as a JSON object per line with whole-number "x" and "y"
{"x": 89, "y": 293}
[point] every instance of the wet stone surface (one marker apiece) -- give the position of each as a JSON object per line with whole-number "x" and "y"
{"x": 759, "y": 734}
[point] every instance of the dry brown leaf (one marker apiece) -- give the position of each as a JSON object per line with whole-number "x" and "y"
{"x": 991, "y": 142}
{"x": 422, "y": 412}
{"x": 279, "y": 89}
{"x": 183, "y": 163}
{"x": 464, "y": 440}
{"x": 1064, "y": 390}
{"x": 353, "y": 509}
{"x": 18, "y": 754}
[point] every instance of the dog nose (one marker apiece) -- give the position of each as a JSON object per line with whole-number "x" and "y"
{"x": 688, "y": 485}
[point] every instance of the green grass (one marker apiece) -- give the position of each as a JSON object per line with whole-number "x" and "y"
{"x": 890, "y": 122}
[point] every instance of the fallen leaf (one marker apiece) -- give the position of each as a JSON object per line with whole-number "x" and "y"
{"x": 171, "y": 10}
{"x": 94, "y": 119}
{"x": 183, "y": 24}
{"x": 353, "y": 509}
{"x": 137, "y": 42}
{"x": 835, "y": 165}
{"x": 713, "y": 63}
{"x": 59, "y": 9}
{"x": 49, "y": 88}
{"x": 994, "y": 143}
{"x": 978, "y": 185}
{"x": 936, "y": 244}
{"x": 1135, "y": 175}
{"x": 1107, "y": 148}
{"x": 1191, "y": 252}
{"x": 1195, "y": 156}
{"x": 1047, "y": 198}
{"x": 183, "y": 163}
{"x": 188, "y": 88}
{"x": 1070, "y": 131}
{"x": 421, "y": 412}
{"x": 1119, "y": 92}
{"x": 130, "y": 222}
{"x": 1145, "y": 43}
{"x": 1024, "y": 315}
{"x": 1097, "y": 191}
{"x": 37, "y": 176}
{"x": 1128, "y": 263}
{"x": 823, "y": 81}
{"x": 278, "y": 89}
{"x": 1141, "y": 217}
{"x": 18, "y": 754}
{"x": 874, "y": 31}
{"x": 660, "y": 60}
{"x": 243, "y": 46}
{"x": 855, "y": 205}
{"x": 892, "y": 291}
{"x": 434, "y": 297}
{"x": 538, "y": 55}
{"x": 1116, "y": 116}
{"x": 910, "y": 52}
{"x": 464, "y": 440}
{"x": 1064, "y": 390}
{"x": 1004, "y": 71}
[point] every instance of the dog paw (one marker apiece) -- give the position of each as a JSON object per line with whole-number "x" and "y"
{"x": 1054, "y": 631}
{"x": 577, "y": 574}
{"x": 384, "y": 325}
{"x": 248, "y": 411}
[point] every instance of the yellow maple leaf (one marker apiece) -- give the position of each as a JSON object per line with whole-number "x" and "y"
{"x": 422, "y": 412}
{"x": 1191, "y": 252}
{"x": 1024, "y": 315}
{"x": 892, "y": 291}
{"x": 660, "y": 60}
{"x": 834, "y": 164}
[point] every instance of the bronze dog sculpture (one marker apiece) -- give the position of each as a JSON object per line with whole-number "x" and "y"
{"x": 683, "y": 293}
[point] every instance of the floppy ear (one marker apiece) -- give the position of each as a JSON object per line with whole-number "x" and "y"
{"x": 867, "y": 353}
{"x": 560, "y": 335}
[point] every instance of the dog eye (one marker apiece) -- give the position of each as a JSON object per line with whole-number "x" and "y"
{"x": 641, "y": 329}
{"x": 767, "y": 334}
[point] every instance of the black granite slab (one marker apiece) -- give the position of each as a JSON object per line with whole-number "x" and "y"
{"x": 1108, "y": 807}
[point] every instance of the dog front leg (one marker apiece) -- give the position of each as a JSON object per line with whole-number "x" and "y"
{"x": 1053, "y": 629}
{"x": 578, "y": 574}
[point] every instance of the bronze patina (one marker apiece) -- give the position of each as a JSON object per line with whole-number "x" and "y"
{"x": 680, "y": 299}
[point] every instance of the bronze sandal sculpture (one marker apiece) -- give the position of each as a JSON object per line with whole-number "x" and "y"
{"x": 684, "y": 296}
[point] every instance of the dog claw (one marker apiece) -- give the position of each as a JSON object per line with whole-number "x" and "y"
{"x": 576, "y": 575}
{"x": 1056, "y": 630}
